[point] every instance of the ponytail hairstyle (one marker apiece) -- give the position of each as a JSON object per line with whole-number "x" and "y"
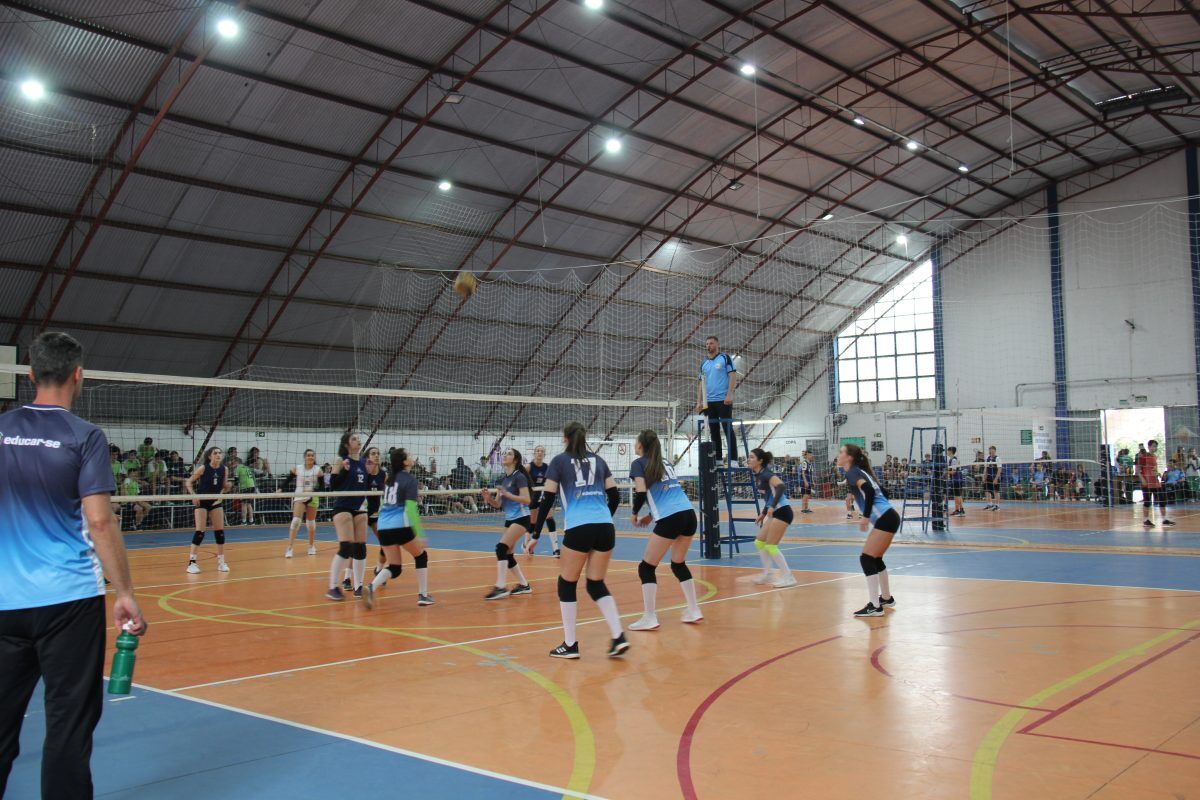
{"x": 399, "y": 456}
{"x": 652, "y": 452}
{"x": 519, "y": 466}
{"x": 576, "y": 436}
{"x": 859, "y": 457}
{"x": 763, "y": 456}
{"x": 344, "y": 445}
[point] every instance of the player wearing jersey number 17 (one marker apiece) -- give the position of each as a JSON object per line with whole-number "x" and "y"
{"x": 877, "y": 513}
{"x": 589, "y": 500}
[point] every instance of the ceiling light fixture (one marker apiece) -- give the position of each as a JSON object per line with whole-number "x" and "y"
{"x": 454, "y": 98}
{"x": 33, "y": 89}
{"x": 734, "y": 185}
{"x": 828, "y": 217}
{"x": 902, "y": 240}
{"x": 859, "y": 121}
{"x": 445, "y": 186}
{"x": 594, "y": 5}
{"x": 227, "y": 28}
{"x": 612, "y": 144}
{"x": 747, "y": 70}
{"x": 963, "y": 168}
{"x": 912, "y": 145}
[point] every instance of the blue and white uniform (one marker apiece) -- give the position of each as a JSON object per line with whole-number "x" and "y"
{"x": 879, "y": 503}
{"x": 804, "y": 477}
{"x": 394, "y": 513}
{"x": 581, "y": 489}
{"x": 375, "y": 483}
{"x": 50, "y": 460}
{"x": 538, "y": 475}
{"x": 665, "y": 497}
{"x": 353, "y": 478}
{"x": 514, "y": 510}
{"x": 763, "y": 479}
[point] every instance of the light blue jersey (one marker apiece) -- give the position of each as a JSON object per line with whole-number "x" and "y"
{"x": 50, "y": 460}
{"x": 715, "y": 373}
{"x": 581, "y": 489}
{"x": 513, "y": 484}
{"x": 879, "y": 506}
{"x": 666, "y": 497}
{"x": 763, "y": 479}
{"x": 393, "y": 514}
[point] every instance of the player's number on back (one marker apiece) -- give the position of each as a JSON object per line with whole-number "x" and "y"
{"x": 585, "y": 477}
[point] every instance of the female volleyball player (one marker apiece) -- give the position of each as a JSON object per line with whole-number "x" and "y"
{"x": 304, "y": 505}
{"x": 876, "y": 512}
{"x": 213, "y": 478}
{"x": 773, "y": 521}
{"x": 675, "y": 523}
{"x": 954, "y": 479}
{"x": 398, "y": 525}
{"x": 537, "y": 474}
{"x": 376, "y": 482}
{"x": 512, "y": 495}
{"x": 991, "y": 481}
{"x": 349, "y": 516}
{"x": 589, "y": 499}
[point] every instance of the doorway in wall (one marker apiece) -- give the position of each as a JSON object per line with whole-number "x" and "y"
{"x": 1126, "y": 428}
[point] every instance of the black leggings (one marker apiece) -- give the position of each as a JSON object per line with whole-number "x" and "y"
{"x": 716, "y": 412}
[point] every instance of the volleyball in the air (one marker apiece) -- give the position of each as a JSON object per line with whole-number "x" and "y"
{"x": 465, "y": 284}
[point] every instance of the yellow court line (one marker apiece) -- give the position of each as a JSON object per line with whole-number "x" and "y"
{"x": 584, "y": 762}
{"x": 983, "y": 766}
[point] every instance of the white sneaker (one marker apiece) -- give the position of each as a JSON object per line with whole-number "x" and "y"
{"x": 193, "y": 568}
{"x": 312, "y": 551}
{"x": 764, "y": 578}
{"x": 222, "y": 566}
{"x": 692, "y": 618}
{"x": 288, "y": 553}
{"x": 646, "y": 623}
{"x": 785, "y": 580}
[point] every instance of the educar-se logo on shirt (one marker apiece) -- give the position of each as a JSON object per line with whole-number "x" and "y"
{"x": 21, "y": 441}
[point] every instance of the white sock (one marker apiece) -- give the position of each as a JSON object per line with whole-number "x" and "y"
{"x": 608, "y": 607}
{"x": 689, "y": 594}
{"x": 781, "y": 561}
{"x": 649, "y": 595}
{"x": 360, "y": 571}
{"x": 422, "y": 581}
{"x": 335, "y": 569}
{"x": 381, "y": 579}
{"x": 569, "y": 610}
{"x": 873, "y": 589}
{"x": 553, "y": 540}
{"x": 516, "y": 568}
{"x": 884, "y": 589}
{"x": 348, "y": 573}
{"x": 765, "y": 558}
{"x": 501, "y": 572}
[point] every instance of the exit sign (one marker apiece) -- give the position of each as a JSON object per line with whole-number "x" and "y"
{"x": 1027, "y": 437}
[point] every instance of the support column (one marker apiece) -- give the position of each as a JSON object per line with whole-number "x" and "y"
{"x": 1193, "y": 190}
{"x": 832, "y": 372}
{"x": 939, "y": 349}
{"x": 1061, "y": 443}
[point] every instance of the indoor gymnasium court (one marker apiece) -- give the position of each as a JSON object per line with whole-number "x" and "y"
{"x": 599, "y": 399}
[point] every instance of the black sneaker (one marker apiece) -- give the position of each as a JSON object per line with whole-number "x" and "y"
{"x": 1148, "y": 524}
{"x": 335, "y": 594}
{"x": 521, "y": 588}
{"x": 565, "y": 650}
{"x": 378, "y": 569}
{"x": 358, "y": 593}
{"x": 1168, "y": 523}
{"x": 618, "y": 646}
{"x": 888, "y": 603}
{"x": 346, "y": 584}
{"x": 424, "y": 600}
{"x": 555, "y": 554}
{"x": 806, "y": 511}
{"x": 869, "y": 610}
{"x": 497, "y": 593}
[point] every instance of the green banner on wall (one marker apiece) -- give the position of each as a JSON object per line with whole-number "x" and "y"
{"x": 1027, "y": 437}
{"x": 861, "y": 441}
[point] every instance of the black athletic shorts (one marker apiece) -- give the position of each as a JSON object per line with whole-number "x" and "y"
{"x": 598, "y": 536}
{"x": 784, "y": 514}
{"x": 991, "y": 486}
{"x": 805, "y": 491}
{"x": 522, "y": 521}
{"x": 956, "y": 490}
{"x": 681, "y": 523}
{"x": 888, "y": 522}
{"x": 395, "y": 536}
{"x": 209, "y": 505}
{"x": 357, "y": 512}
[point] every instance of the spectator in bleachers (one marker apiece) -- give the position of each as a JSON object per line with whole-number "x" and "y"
{"x": 483, "y": 475}
{"x": 131, "y": 463}
{"x": 259, "y": 466}
{"x": 131, "y": 487}
{"x": 1174, "y": 482}
{"x": 460, "y": 476}
{"x": 1038, "y": 483}
{"x": 1192, "y": 472}
{"x": 243, "y": 481}
{"x": 177, "y": 472}
{"x": 146, "y": 451}
{"x": 1124, "y": 477}
{"x": 118, "y": 468}
{"x": 156, "y": 472}
{"x": 1083, "y": 482}
{"x": 232, "y": 459}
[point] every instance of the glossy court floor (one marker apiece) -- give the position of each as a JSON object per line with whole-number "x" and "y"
{"x": 1043, "y": 651}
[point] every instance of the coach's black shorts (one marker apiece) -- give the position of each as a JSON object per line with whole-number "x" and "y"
{"x": 598, "y": 536}
{"x": 681, "y": 523}
{"x": 389, "y": 537}
{"x": 888, "y": 522}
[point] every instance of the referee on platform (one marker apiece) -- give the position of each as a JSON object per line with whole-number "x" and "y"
{"x": 714, "y": 396}
{"x": 55, "y": 521}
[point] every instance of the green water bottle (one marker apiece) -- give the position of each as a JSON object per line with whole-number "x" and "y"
{"x": 120, "y": 678}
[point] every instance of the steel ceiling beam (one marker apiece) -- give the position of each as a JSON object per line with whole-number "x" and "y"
{"x": 1137, "y": 35}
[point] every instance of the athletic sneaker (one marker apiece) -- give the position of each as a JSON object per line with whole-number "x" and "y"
{"x": 193, "y": 568}
{"x": 424, "y": 600}
{"x": 312, "y": 551}
{"x": 368, "y": 595}
{"x": 806, "y": 511}
{"x": 869, "y": 610}
{"x": 618, "y": 646}
{"x": 888, "y": 603}
{"x": 521, "y": 588}
{"x": 222, "y": 566}
{"x": 1148, "y": 524}
{"x": 765, "y": 578}
{"x": 691, "y": 618}
{"x": 785, "y": 580}
{"x": 565, "y": 650}
{"x": 555, "y": 554}
{"x": 849, "y": 516}
{"x": 646, "y": 623}
{"x": 377, "y": 569}
{"x": 335, "y": 594}
{"x": 1168, "y": 523}
{"x": 358, "y": 593}
{"x": 497, "y": 593}
{"x": 347, "y": 585}
{"x": 287, "y": 553}
{"x": 995, "y": 508}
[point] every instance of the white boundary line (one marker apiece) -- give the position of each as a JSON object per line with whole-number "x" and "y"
{"x": 380, "y": 746}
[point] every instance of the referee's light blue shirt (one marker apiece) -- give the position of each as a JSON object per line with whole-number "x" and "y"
{"x": 50, "y": 460}
{"x": 715, "y": 373}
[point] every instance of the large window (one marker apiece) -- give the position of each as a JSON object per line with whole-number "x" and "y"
{"x": 887, "y": 353}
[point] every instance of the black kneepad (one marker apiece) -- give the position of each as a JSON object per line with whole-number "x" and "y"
{"x": 646, "y": 573}
{"x": 501, "y": 551}
{"x": 345, "y": 549}
{"x": 596, "y": 590}
{"x": 219, "y": 536}
{"x": 868, "y": 564}
{"x": 879, "y": 565}
{"x": 360, "y": 551}
{"x": 512, "y": 561}
{"x": 395, "y": 570}
{"x": 423, "y": 561}
{"x": 198, "y": 538}
{"x": 567, "y": 591}
{"x": 681, "y": 571}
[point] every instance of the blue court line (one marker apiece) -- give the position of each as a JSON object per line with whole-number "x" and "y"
{"x": 157, "y": 745}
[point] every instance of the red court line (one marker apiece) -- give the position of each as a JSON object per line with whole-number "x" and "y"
{"x": 1088, "y": 695}
{"x": 683, "y": 758}
{"x": 1114, "y": 744}
{"x": 1178, "y": 596}
{"x": 875, "y": 662}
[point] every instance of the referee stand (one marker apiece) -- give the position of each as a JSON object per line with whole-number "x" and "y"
{"x": 735, "y": 482}
{"x": 924, "y": 486}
